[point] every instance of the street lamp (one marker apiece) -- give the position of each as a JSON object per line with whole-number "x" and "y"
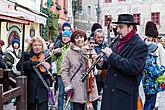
{"x": 98, "y": 11}
{"x": 77, "y": 8}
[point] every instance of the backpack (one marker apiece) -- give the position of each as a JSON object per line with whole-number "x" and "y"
{"x": 16, "y": 60}
{"x": 156, "y": 71}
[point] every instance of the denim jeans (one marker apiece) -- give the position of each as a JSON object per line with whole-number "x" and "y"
{"x": 150, "y": 101}
{"x": 61, "y": 93}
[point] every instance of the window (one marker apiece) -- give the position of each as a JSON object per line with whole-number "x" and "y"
{"x": 137, "y": 18}
{"x": 57, "y": 1}
{"x": 64, "y": 5}
{"x": 106, "y": 20}
{"x": 155, "y": 17}
{"x": 108, "y": 1}
{"x": 89, "y": 10}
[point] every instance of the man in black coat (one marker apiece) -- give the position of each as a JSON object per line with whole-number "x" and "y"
{"x": 125, "y": 63}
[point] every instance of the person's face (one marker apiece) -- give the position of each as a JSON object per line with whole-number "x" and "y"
{"x": 66, "y": 28}
{"x": 16, "y": 45}
{"x": 99, "y": 38}
{"x": 150, "y": 39}
{"x": 123, "y": 29}
{"x": 65, "y": 39}
{"x": 163, "y": 42}
{"x": 79, "y": 40}
{"x": 37, "y": 47}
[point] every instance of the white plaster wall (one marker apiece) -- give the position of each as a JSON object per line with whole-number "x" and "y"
{"x": 144, "y": 7}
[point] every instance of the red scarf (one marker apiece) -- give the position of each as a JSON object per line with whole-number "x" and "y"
{"x": 124, "y": 40}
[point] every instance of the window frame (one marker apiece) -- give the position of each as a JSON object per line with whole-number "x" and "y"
{"x": 108, "y": 1}
{"x": 137, "y": 17}
{"x": 121, "y": 0}
{"x": 155, "y": 17}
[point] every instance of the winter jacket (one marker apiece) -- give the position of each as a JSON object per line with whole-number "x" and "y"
{"x": 35, "y": 88}
{"x": 71, "y": 62}
{"x": 9, "y": 60}
{"x": 150, "y": 83}
{"x": 60, "y": 58}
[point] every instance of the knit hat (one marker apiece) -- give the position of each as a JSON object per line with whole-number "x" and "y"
{"x": 81, "y": 32}
{"x": 67, "y": 33}
{"x": 15, "y": 40}
{"x": 66, "y": 24}
{"x": 152, "y": 47}
{"x": 2, "y": 42}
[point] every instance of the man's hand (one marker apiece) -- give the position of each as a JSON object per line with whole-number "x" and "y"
{"x": 107, "y": 51}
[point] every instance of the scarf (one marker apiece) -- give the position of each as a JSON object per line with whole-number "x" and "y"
{"x": 82, "y": 51}
{"x": 124, "y": 40}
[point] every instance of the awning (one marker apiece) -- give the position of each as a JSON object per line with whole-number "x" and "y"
{"x": 32, "y": 16}
{"x": 8, "y": 17}
{"x": 14, "y": 12}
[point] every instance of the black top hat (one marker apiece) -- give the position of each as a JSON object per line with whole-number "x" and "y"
{"x": 125, "y": 19}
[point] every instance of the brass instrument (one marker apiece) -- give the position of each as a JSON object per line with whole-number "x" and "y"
{"x": 99, "y": 57}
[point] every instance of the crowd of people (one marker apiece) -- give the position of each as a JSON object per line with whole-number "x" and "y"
{"x": 113, "y": 80}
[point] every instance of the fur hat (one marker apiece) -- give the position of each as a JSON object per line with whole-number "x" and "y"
{"x": 15, "y": 40}
{"x": 66, "y": 24}
{"x": 95, "y": 26}
{"x": 67, "y": 33}
{"x": 81, "y": 32}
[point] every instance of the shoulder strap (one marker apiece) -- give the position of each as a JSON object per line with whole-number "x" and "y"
{"x": 50, "y": 93}
{"x": 76, "y": 72}
{"x": 41, "y": 77}
{"x": 12, "y": 54}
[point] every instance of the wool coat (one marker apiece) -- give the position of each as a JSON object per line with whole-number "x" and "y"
{"x": 35, "y": 87}
{"x": 120, "y": 91}
{"x": 70, "y": 64}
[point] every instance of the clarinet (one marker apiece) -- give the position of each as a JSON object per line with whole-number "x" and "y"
{"x": 99, "y": 57}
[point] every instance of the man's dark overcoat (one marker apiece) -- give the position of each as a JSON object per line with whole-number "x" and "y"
{"x": 124, "y": 75}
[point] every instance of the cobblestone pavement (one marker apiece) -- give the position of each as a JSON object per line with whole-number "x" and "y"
{"x": 161, "y": 98}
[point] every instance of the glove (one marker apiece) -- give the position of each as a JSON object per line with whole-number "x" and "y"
{"x": 107, "y": 51}
{"x": 70, "y": 93}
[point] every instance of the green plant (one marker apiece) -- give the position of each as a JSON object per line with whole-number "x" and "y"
{"x": 51, "y": 27}
{"x": 50, "y": 3}
{"x": 58, "y": 7}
